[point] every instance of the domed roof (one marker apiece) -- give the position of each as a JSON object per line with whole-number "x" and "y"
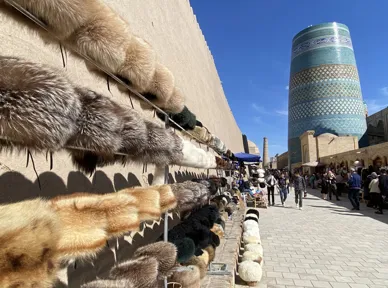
{"x": 328, "y": 135}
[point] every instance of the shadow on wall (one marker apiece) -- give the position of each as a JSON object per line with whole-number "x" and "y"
{"x": 15, "y": 187}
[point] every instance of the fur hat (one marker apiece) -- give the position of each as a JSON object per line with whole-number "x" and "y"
{"x": 29, "y": 236}
{"x": 204, "y": 257}
{"x": 252, "y": 215}
{"x": 39, "y": 106}
{"x": 253, "y": 211}
{"x": 221, "y": 222}
{"x": 253, "y": 218}
{"x": 142, "y": 271}
{"x": 176, "y": 103}
{"x": 252, "y": 256}
{"x": 209, "y": 183}
{"x": 212, "y": 252}
{"x": 251, "y": 240}
{"x": 250, "y": 224}
{"x": 185, "y": 197}
{"x": 252, "y": 232}
{"x": 201, "y": 133}
{"x": 149, "y": 202}
{"x": 251, "y": 272}
{"x": 167, "y": 198}
{"x": 185, "y": 248}
{"x": 196, "y": 261}
{"x": 186, "y": 119}
{"x": 257, "y": 248}
{"x": 160, "y": 88}
{"x": 109, "y": 284}
{"x": 84, "y": 225}
{"x": 218, "y": 230}
{"x": 188, "y": 277}
{"x": 195, "y": 157}
{"x": 164, "y": 252}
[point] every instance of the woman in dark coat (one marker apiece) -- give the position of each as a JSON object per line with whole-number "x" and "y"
{"x": 325, "y": 186}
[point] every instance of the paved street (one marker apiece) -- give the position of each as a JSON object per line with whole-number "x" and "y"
{"x": 324, "y": 245}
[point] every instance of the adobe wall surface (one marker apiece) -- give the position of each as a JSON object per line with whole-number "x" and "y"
{"x": 171, "y": 28}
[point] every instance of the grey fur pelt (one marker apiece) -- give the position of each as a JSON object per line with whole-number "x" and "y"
{"x": 109, "y": 284}
{"x": 190, "y": 195}
{"x": 38, "y": 105}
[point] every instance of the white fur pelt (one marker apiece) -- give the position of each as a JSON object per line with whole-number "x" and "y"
{"x": 252, "y": 232}
{"x": 159, "y": 175}
{"x": 257, "y": 248}
{"x": 39, "y": 106}
{"x": 250, "y": 224}
{"x": 195, "y": 157}
{"x": 250, "y": 271}
{"x": 251, "y": 240}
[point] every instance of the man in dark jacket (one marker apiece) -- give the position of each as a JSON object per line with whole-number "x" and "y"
{"x": 383, "y": 185}
{"x": 354, "y": 189}
{"x": 300, "y": 188}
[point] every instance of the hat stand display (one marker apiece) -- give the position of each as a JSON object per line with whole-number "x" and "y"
{"x": 70, "y": 230}
{"x": 250, "y": 267}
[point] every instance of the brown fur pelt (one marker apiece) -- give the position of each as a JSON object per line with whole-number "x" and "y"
{"x": 196, "y": 261}
{"x": 167, "y": 198}
{"x": 212, "y": 253}
{"x": 176, "y": 102}
{"x": 204, "y": 257}
{"x": 164, "y": 252}
{"x": 84, "y": 225}
{"x": 29, "y": 235}
{"x": 142, "y": 271}
{"x": 189, "y": 195}
{"x": 188, "y": 277}
{"x": 109, "y": 284}
{"x": 149, "y": 202}
{"x": 39, "y": 106}
{"x": 218, "y": 230}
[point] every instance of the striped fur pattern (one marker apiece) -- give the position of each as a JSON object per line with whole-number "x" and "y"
{"x": 38, "y": 106}
{"x": 164, "y": 252}
{"x": 29, "y": 235}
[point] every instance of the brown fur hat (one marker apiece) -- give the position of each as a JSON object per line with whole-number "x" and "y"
{"x": 212, "y": 252}
{"x": 167, "y": 198}
{"x": 188, "y": 277}
{"x": 149, "y": 202}
{"x": 176, "y": 103}
{"x": 204, "y": 257}
{"x": 196, "y": 261}
{"x": 160, "y": 89}
{"x": 29, "y": 235}
{"x": 164, "y": 252}
{"x": 142, "y": 271}
{"x": 39, "y": 105}
{"x": 109, "y": 284}
{"x": 84, "y": 225}
{"x": 218, "y": 230}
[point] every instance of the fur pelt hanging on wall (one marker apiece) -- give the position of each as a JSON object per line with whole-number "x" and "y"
{"x": 39, "y": 106}
{"x": 176, "y": 103}
{"x": 164, "y": 252}
{"x": 168, "y": 200}
{"x": 142, "y": 271}
{"x": 186, "y": 119}
{"x": 29, "y": 234}
{"x": 189, "y": 195}
{"x": 196, "y": 157}
{"x": 149, "y": 202}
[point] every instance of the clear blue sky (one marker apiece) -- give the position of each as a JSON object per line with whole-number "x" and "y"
{"x": 251, "y": 43}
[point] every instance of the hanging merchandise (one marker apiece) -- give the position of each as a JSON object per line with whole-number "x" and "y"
{"x": 186, "y": 119}
{"x": 190, "y": 195}
{"x": 188, "y": 277}
{"x": 202, "y": 133}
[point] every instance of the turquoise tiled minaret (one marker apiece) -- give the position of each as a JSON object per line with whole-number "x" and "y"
{"x": 324, "y": 88}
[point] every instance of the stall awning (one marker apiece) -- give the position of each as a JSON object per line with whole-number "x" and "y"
{"x": 245, "y": 157}
{"x": 313, "y": 164}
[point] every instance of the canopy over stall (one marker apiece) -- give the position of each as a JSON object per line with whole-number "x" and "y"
{"x": 245, "y": 157}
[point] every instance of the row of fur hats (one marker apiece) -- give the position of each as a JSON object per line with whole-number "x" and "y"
{"x": 43, "y": 111}
{"x": 37, "y": 235}
{"x": 193, "y": 234}
{"x": 250, "y": 268}
{"x": 94, "y": 29}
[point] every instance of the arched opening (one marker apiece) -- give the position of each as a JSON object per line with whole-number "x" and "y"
{"x": 377, "y": 163}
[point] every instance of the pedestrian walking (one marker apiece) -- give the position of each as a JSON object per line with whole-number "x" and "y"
{"x": 383, "y": 185}
{"x": 324, "y": 186}
{"x": 332, "y": 187}
{"x": 354, "y": 189}
{"x": 271, "y": 183}
{"x": 300, "y": 188}
{"x": 283, "y": 188}
{"x": 374, "y": 190}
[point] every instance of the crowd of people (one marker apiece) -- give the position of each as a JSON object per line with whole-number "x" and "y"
{"x": 372, "y": 185}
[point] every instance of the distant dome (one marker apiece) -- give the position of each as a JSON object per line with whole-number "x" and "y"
{"x": 328, "y": 135}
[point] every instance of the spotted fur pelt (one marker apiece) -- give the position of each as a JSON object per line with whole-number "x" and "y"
{"x": 29, "y": 235}
{"x": 164, "y": 252}
{"x": 142, "y": 271}
{"x": 38, "y": 105}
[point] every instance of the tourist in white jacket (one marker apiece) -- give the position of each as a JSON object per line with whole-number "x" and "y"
{"x": 374, "y": 190}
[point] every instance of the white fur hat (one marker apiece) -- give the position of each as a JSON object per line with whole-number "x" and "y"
{"x": 252, "y": 256}
{"x": 252, "y": 215}
{"x": 253, "y": 232}
{"x": 251, "y": 240}
{"x": 251, "y": 272}
{"x": 257, "y": 248}
{"x": 250, "y": 224}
